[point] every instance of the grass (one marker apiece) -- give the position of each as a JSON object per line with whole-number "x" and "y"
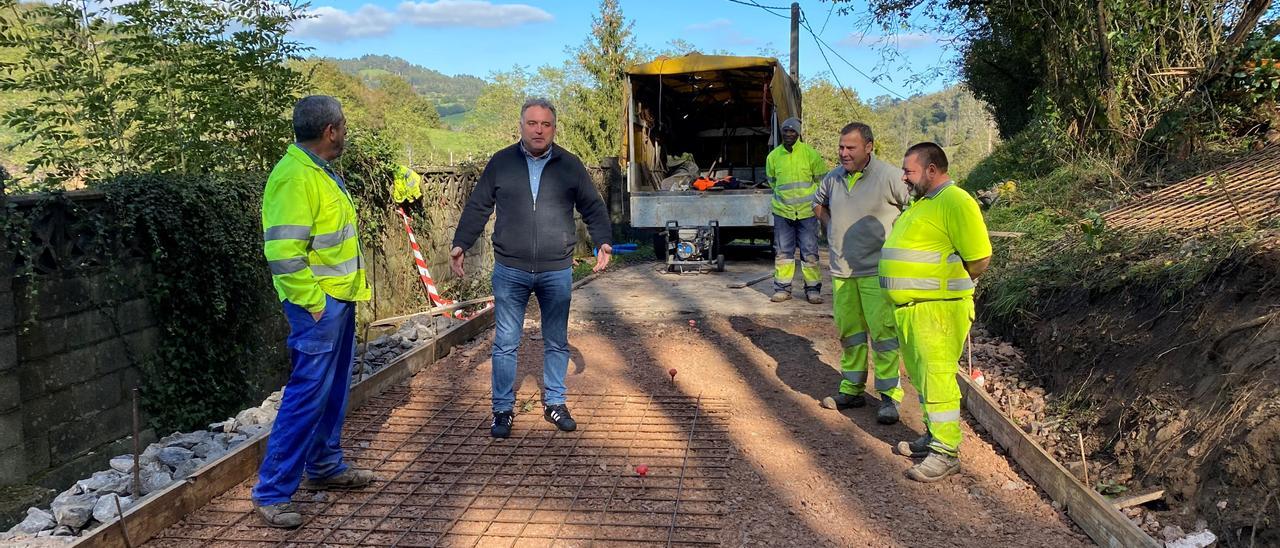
{"x": 1067, "y": 245}
{"x": 460, "y": 144}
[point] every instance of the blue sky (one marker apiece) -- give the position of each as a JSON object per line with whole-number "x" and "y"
{"x": 478, "y": 37}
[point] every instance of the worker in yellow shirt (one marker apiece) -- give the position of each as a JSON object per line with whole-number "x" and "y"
{"x": 928, "y": 265}
{"x": 794, "y": 170}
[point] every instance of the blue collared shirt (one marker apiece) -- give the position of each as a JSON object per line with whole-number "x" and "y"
{"x": 326, "y": 166}
{"x": 536, "y": 163}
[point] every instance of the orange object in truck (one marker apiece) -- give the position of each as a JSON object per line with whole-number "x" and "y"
{"x": 703, "y": 183}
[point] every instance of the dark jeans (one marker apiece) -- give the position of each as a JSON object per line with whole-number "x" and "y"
{"x": 511, "y": 290}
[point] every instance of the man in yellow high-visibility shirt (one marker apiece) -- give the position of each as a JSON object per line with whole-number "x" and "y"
{"x": 928, "y": 265}
{"x": 313, "y": 250}
{"x": 794, "y": 169}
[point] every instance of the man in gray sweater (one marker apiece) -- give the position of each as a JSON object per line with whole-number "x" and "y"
{"x": 857, "y": 202}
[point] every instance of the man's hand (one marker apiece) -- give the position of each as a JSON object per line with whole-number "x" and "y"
{"x": 823, "y": 214}
{"x": 602, "y": 257}
{"x": 317, "y": 315}
{"x": 455, "y": 262}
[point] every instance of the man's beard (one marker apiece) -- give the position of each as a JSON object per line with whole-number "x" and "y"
{"x": 917, "y": 191}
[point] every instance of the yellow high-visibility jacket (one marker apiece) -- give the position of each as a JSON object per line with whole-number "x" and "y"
{"x": 794, "y": 176}
{"x": 309, "y": 235}
{"x": 408, "y": 185}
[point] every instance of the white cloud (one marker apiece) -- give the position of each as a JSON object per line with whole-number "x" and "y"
{"x": 335, "y": 25}
{"x": 471, "y": 13}
{"x": 906, "y": 40}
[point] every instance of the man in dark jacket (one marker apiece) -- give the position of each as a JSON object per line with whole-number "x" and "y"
{"x": 535, "y": 186}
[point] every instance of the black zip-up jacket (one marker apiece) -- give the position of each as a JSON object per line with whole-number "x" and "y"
{"x": 533, "y": 237}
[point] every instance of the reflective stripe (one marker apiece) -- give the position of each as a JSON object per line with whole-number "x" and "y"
{"x": 287, "y": 232}
{"x": 959, "y": 284}
{"x": 944, "y": 416}
{"x": 341, "y": 269}
{"x": 790, "y": 186}
{"x": 287, "y": 266}
{"x": 886, "y": 384}
{"x": 909, "y": 283}
{"x": 953, "y": 258}
{"x": 855, "y": 377}
{"x": 854, "y": 340}
{"x": 886, "y": 345}
{"x": 797, "y": 201}
{"x": 910, "y": 255}
{"x": 322, "y": 241}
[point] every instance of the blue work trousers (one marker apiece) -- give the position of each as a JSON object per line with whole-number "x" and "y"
{"x": 511, "y": 289}
{"x": 789, "y": 234}
{"x": 307, "y": 431}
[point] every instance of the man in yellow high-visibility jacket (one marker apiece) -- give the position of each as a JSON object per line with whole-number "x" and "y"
{"x": 928, "y": 265}
{"x": 794, "y": 169}
{"x": 313, "y": 249}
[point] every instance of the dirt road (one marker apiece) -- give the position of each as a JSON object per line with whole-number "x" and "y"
{"x": 741, "y": 453}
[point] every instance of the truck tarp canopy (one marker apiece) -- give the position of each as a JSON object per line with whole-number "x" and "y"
{"x": 739, "y": 78}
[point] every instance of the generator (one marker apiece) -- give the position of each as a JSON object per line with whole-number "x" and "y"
{"x": 691, "y": 248}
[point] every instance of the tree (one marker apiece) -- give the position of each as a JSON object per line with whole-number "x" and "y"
{"x": 1095, "y": 71}
{"x": 495, "y": 119}
{"x": 604, "y": 57}
{"x": 183, "y": 86}
{"x": 828, "y": 109}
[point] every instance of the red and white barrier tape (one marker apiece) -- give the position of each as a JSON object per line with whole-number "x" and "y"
{"x": 425, "y": 274}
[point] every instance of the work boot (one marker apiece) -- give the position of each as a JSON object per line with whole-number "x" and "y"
{"x": 282, "y": 516}
{"x": 559, "y": 416}
{"x": 888, "y": 413}
{"x": 501, "y": 428}
{"x": 915, "y": 449}
{"x": 813, "y": 297}
{"x": 351, "y": 478}
{"x": 843, "y": 401}
{"x": 934, "y": 467}
{"x": 779, "y": 296}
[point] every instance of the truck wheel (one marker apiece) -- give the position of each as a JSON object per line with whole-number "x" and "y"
{"x": 660, "y": 245}
{"x": 720, "y": 262}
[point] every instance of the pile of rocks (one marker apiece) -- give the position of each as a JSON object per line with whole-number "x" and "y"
{"x": 381, "y": 351}
{"x": 93, "y": 500}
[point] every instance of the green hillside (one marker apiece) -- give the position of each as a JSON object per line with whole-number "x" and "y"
{"x": 450, "y": 94}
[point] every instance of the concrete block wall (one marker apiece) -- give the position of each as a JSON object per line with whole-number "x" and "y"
{"x": 79, "y": 339}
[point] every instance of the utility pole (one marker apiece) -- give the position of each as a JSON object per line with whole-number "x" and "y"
{"x": 795, "y": 42}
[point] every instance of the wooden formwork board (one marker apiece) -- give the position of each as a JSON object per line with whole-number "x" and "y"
{"x": 1094, "y": 514}
{"x": 168, "y": 506}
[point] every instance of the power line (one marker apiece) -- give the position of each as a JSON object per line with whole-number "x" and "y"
{"x": 767, "y": 8}
{"x": 843, "y": 90}
{"x": 821, "y": 44}
{"x": 823, "y": 30}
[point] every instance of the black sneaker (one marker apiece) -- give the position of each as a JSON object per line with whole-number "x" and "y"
{"x": 501, "y": 424}
{"x": 559, "y": 416}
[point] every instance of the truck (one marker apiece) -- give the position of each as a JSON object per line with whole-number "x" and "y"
{"x": 699, "y": 128}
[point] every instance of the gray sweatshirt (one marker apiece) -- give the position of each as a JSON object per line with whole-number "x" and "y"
{"x": 861, "y": 217}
